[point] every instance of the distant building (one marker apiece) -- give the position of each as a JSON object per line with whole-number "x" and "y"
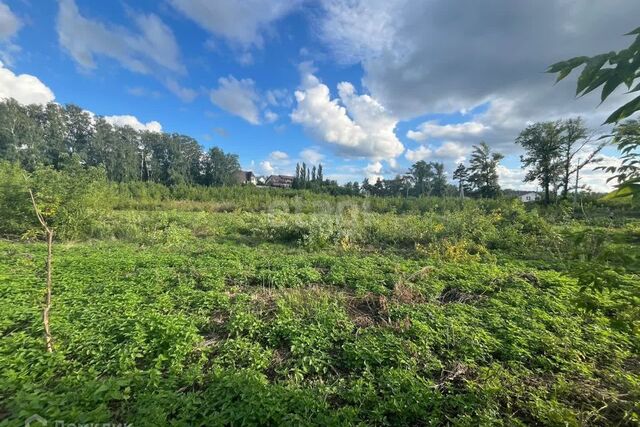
{"x": 529, "y": 197}
{"x": 245, "y": 177}
{"x": 280, "y": 181}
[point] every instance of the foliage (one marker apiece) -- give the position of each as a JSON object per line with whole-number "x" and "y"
{"x": 627, "y": 138}
{"x": 608, "y": 70}
{"x": 542, "y": 143}
{"x": 200, "y": 305}
{"x": 483, "y": 173}
{"x": 57, "y": 136}
{"x": 70, "y": 200}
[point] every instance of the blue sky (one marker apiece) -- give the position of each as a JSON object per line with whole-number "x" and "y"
{"x": 366, "y": 87}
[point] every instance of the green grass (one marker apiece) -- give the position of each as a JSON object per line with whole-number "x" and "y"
{"x": 472, "y": 316}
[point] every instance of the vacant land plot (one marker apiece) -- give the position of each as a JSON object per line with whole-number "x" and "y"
{"x": 480, "y": 314}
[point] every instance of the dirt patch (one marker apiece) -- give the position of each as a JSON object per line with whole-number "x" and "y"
{"x": 406, "y": 294}
{"x": 368, "y": 310}
{"x": 450, "y": 295}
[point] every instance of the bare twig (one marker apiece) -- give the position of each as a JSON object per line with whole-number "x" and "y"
{"x": 47, "y": 305}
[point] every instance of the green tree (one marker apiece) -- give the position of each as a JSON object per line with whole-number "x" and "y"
{"x": 483, "y": 170}
{"x": 543, "y": 147}
{"x": 462, "y": 175}
{"x": 439, "y": 180}
{"x": 422, "y": 175}
{"x": 574, "y": 134}
{"x": 220, "y": 168}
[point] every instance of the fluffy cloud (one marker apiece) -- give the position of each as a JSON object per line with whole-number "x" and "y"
{"x": 238, "y": 97}
{"x": 278, "y": 155}
{"x": 311, "y": 156}
{"x": 151, "y": 47}
{"x": 421, "y": 153}
{"x": 266, "y": 168}
{"x": 9, "y": 22}
{"x": 432, "y": 129}
{"x": 356, "y": 125}
{"x": 127, "y": 120}
{"x": 277, "y": 162}
{"x": 452, "y": 151}
{"x": 373, "y": 171}
{"x": 591, "y": 179}
{"x": 422, "y": 57}
{"x": 446, "y": 56}
{"x": 270, "y": 116}
{"x": 240, "y": 22}
{"x": 24, "y": 88}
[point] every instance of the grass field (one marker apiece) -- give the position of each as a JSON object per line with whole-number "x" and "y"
{"x": 194, "y": 314}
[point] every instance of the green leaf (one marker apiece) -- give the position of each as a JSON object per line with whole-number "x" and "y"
{"x": 611, "y": 84}
{"x": 564, "y": 68}
{"x": 590, "y": 72}
{"x": 625, "y": 111}
{"x": 634, "y": 32}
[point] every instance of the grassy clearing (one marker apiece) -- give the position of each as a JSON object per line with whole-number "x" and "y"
{"x": 468, "y": 315}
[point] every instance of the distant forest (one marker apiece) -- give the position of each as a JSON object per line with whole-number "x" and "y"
{"x": 55, "y": 135}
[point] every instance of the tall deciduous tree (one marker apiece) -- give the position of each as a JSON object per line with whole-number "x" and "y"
{"x": 439, "y": 180}
{"x": 422, "y": 174}
{"x": 543, "y": 146}
{"x": 462, "y": 175}
{"x": 573, "y": 139}
{"x": 220, "y": 168}
{"x": 483, "y": 170}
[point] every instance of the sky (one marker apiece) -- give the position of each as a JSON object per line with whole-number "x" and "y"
{"x": 366, "y": 87}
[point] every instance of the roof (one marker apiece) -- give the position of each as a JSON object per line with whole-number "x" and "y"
{"x": 244, "y": 175}
{"x": 280, "y": 180}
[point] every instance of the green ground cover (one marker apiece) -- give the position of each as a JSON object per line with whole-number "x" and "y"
{"x": 190, "y": 314}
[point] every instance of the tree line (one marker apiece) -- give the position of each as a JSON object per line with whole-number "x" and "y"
{"x": 478, "y": 179}
{"x": 57, "y": 136}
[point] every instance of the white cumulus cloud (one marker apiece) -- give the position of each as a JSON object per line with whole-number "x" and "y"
{"x": 24, "y": 88}
{"x": 238, "y": 97}
{"x": 356, "y": 125}
{"x": 373, "y": 171}
{"x": 420, "y": 153}
{"x": 266, "y": 168}
{"x": 311, "y": 156}
{"x": 128, "y": 120}
{"x": 452, "y": 150}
